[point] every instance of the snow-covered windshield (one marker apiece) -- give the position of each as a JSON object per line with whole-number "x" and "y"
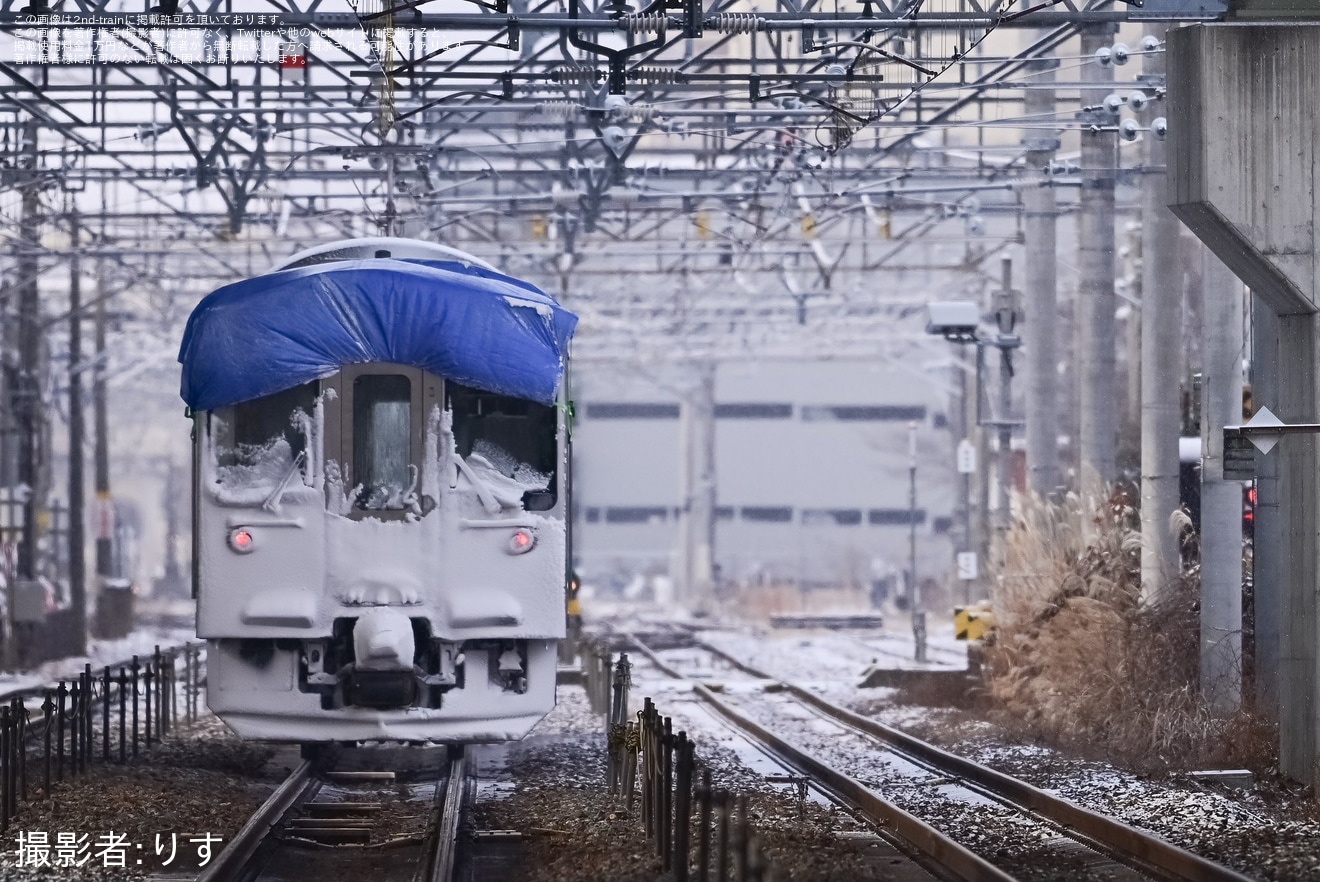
{"x": 510, "y": 466}
{"x": 382, "y": 441}
{"x": 259, "y": 443}
{"x": 507, "y": 437}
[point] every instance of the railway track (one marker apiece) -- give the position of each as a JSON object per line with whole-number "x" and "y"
{"x": 390, "y": 814}
{"x": 941, "y": 804}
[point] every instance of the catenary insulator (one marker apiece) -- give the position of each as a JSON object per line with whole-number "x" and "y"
{"x": 563, "y": 110}
{"x": 641, "y": 112}
{"x": 575, "y": 75}
{"x": 735, "y": 23}
{"x": 655, "y": 76}
{"x": 645, "y": 23}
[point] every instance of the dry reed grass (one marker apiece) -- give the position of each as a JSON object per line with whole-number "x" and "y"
{"x": 1079, "y": 660}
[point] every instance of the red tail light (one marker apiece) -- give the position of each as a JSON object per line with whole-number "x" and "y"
{"x": 241, "y": 540}
{"x": 522, "y": 542}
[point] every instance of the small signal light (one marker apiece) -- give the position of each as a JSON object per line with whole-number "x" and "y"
{"x": 521, "y": 542}
{"x": 241, "y": 541}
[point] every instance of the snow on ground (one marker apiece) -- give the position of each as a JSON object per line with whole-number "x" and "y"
{"x": 141, "y": 642}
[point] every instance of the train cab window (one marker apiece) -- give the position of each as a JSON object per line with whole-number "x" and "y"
{"x": 382, "y": 441}
{"x": 513, "y": 436}
{"x": 257, "y": 442}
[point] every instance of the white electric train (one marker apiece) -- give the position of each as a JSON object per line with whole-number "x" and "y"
{"x": 379, "y": 496}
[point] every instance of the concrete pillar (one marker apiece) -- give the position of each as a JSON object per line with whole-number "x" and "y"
{"x": 1268, "y": 542}
{"x": 1161, "y": 344}
{"x": 1221, "y": 501}
{"x": 1298, "y": 465}
{"x": 981, "y": 517}
{"x": 698, "y": 534}
{"x": 976, "y": 486}
{"x": 961, "y": 422}
{"x": 1128, "y": 447}
{"x": 1242, "y": 160}
{"x": 1040, "y": 328}
{"x": 1095, "y": 263}
{"x": 76, "y": 537}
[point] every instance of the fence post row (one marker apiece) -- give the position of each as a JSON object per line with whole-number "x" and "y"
{"x": 667, "y": 794}
{"x": 147, "y": 679}
{"x": 48, "y": 713}
{"x": 75, "y": 725}
{"x": 105, "y": 715}
{"x": 682, "y": 807}
{"x": 648, "y": 761}
{"x": 23, "y": 725}
{"x": 596, "y": 668}
{"x": 62, "y": 694}
{"x": 133, "y": 678}
{"x": 70, "y": 717}
{"x": 670, "y": 797}
{"x": 618, "y": 725}
{"x": 89, "y": 715}
{"x": 160, "y": 694}
{"x": 666, "y": 771}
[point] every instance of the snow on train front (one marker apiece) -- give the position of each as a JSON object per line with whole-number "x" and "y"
{"x": 379, "y": 496}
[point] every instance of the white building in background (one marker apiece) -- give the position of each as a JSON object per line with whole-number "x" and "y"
{"x": 812, "y": 473}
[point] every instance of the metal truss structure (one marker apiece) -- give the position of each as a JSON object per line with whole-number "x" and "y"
{"x": 675, "y": 171}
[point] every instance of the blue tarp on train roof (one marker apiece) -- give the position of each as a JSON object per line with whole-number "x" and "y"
{"x": 280, "y": 330}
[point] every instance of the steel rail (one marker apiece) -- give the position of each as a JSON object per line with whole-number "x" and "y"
{"x": 951, "y": 855}
{"x": 230, "y": 863}
{"x": 443, "y": 861}
{"x": 1127, "y": 840}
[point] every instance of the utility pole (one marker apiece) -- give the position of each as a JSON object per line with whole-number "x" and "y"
{"x": 18, "y": 464}
{"x": 1006, "y": 341}
{"x": 1161, "y": 346}
{"x": 105, "y": 509}
{"x": 26, "y": 395}
{"x": 966, "y": 465}
{"x": 1221, "y": 501}
{"x": 983, "y": 529}
{"x": 1095, "y": 264}
{"x": 698, "y": 538}
{"x": 1039, "y": 222}
{"x": 172, "y": 582}
{"x": 76, "y": 535}
{"x": 914, "y": 590}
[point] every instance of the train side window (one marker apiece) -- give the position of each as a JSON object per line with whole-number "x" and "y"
{"x": 258, "y": 441}
{"x": 515, "y": 436}
{"x": 382, "y": 448}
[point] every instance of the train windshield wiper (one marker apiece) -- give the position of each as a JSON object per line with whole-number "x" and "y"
{"x": 272, "y": 503}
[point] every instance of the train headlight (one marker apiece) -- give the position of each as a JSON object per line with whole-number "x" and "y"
{"x": 242, "y": 540}
{"x": 522, "y": 542}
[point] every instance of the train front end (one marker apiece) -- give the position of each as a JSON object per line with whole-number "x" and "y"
{"x": 380, "y": 497}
